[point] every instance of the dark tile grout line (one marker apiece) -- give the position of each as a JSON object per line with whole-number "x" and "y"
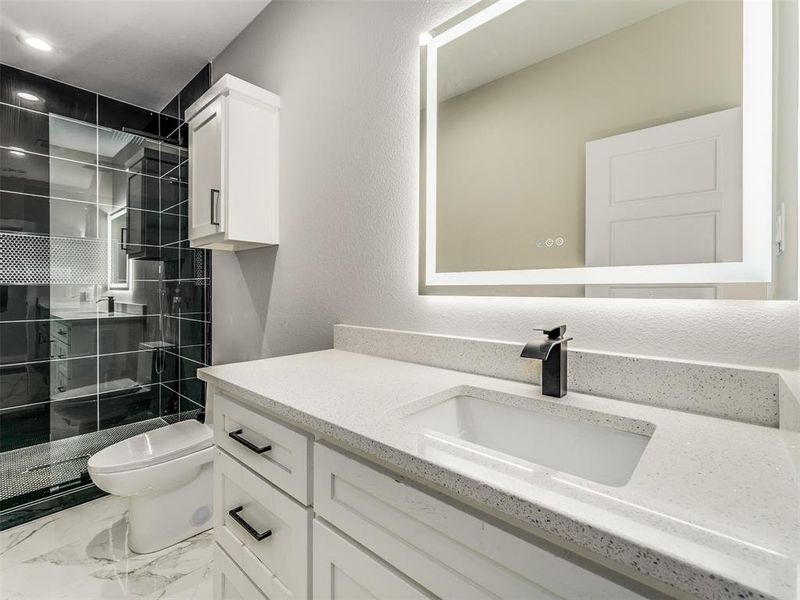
{"x": 99, "y": 399}
{"x": 97, "y": 355}
{"x": 99, "y": 166}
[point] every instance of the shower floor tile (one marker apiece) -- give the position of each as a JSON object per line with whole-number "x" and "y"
{"x": 52, "y": 464}
{"x": 81, "y": 553}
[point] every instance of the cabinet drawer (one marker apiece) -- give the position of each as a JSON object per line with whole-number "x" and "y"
{"x": 285, "y": 463}
{"x": 450, "y": 552}
{"x": 60, "y": 332}
{"x": 342, "y": 571}
{"x": 278, "y": 563}
{"x": 60, "y": 349}
{"x": 229, "y": 581}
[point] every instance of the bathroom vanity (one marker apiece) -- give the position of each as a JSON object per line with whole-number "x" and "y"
{"x": 340, "y": 475}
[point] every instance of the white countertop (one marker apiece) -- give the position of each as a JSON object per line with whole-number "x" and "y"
{"x": 713, "y": 507}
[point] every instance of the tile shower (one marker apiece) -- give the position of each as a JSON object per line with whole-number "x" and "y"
{"x": 93, "y": 203}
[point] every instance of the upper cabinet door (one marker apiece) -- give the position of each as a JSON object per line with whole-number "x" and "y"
{"x": 207, "y": 196}
{"x": 233, "y": 174}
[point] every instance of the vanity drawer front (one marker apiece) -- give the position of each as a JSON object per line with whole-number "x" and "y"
{"x": 343, "y": 571}
{"x": 448, "y": 551}
{"x": 279, "y": 562}
{"x": 229, "y": 581}
{"x": 285, "y": 463}
{"x": 60, "y": 332}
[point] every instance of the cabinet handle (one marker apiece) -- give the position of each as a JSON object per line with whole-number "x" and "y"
{"x": 215, "y": 207}
{"x": 123, "y": 242}
{"x": 62, "y": 388}
{"x": 237, "y": 435}
{"x": 246, "y": 526}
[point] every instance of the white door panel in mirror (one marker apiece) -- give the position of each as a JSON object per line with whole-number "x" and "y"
{"x": 666, "y": 195}
{"x": 576, "y": 142}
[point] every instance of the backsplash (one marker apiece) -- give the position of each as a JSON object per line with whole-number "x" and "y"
{"x": 738, "y": 394}
{"x": 93, "y": 203}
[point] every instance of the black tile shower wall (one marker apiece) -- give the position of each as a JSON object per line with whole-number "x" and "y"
{"x": 72, "y": 164}
{"x": 51, "y": 97}
{"x": 189, "y": 94}
{"x": 114, "y": 114}
{"x": 187, "y": 271}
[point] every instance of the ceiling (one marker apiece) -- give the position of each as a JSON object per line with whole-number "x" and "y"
{"x": 139, "y": 51}
{"x": 532, "y": 32}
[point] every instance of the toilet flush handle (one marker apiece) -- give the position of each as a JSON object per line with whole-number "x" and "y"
{"x": 237, "y": 435}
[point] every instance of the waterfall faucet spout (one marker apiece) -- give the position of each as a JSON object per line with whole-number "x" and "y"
{"x": 552, "y": 351}
{"x": 110, "y": 303}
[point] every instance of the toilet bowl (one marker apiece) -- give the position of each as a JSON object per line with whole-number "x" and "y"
{"x": 166, "y": 473}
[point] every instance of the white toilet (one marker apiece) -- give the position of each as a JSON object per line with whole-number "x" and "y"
{"x": 166, "y": 473}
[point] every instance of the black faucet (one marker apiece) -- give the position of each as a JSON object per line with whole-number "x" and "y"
{"x": 110, "y": 303}
{"x": 554, "y": 360}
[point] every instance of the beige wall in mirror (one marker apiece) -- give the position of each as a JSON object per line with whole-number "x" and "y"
{"x": 584, "y": 134}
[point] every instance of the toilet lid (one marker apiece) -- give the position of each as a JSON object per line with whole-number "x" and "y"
{"x": 153, "y": 447}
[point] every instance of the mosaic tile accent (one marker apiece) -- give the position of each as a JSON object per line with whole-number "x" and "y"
{"x": 31, "y": 259}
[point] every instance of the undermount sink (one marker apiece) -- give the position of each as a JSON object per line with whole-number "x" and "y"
{"x": 575, "y": 444}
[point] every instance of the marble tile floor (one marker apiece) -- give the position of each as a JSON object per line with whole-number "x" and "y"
{"x": 81, "y": 554}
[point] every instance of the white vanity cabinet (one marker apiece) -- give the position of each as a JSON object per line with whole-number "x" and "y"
{"x": 366, "y": 534}
{"x": 343, "y": 571}
{"x": 233, "y": 174}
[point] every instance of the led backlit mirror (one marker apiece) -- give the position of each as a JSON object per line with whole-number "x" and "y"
{"x": 611, "y": 148}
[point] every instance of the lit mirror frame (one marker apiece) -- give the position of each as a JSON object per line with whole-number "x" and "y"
{"x": 113, "y": 246}
{"x": 757, "y": 131}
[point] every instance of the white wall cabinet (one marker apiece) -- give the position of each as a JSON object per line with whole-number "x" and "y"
{"x": 367, "y": 535}
{"x": 233, "y": 171}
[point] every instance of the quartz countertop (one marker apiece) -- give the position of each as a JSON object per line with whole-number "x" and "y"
{"x": 712, "y": 508}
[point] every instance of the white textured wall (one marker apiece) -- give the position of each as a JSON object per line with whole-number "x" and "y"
{"x": 347, "y": 73}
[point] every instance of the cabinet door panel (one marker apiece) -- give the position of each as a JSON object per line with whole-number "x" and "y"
{"x": 206, "y": 138}
{"x": 452, "y": 553}
{"x": 229, "y": 581}
{"x": 342, "y": 571}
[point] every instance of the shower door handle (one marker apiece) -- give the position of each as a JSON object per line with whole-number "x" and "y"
{"x": 215, "y": 207}
{"x": 237, "y": 435}
{"x": 234, "y": 513}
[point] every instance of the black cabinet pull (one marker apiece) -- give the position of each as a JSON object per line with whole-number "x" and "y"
{"x": 237, "y": 435}
{"x": 215, "y": 207}
{"x": 246, "y": 526}
{"x": 122, "y": 241}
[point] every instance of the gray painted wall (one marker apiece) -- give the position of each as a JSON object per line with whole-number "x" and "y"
{"x": 348, "y": 77}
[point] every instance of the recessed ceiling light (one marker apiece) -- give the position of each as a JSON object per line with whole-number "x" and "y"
{"x": 37, "y": 43}
{"x": 28, "y": 96}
